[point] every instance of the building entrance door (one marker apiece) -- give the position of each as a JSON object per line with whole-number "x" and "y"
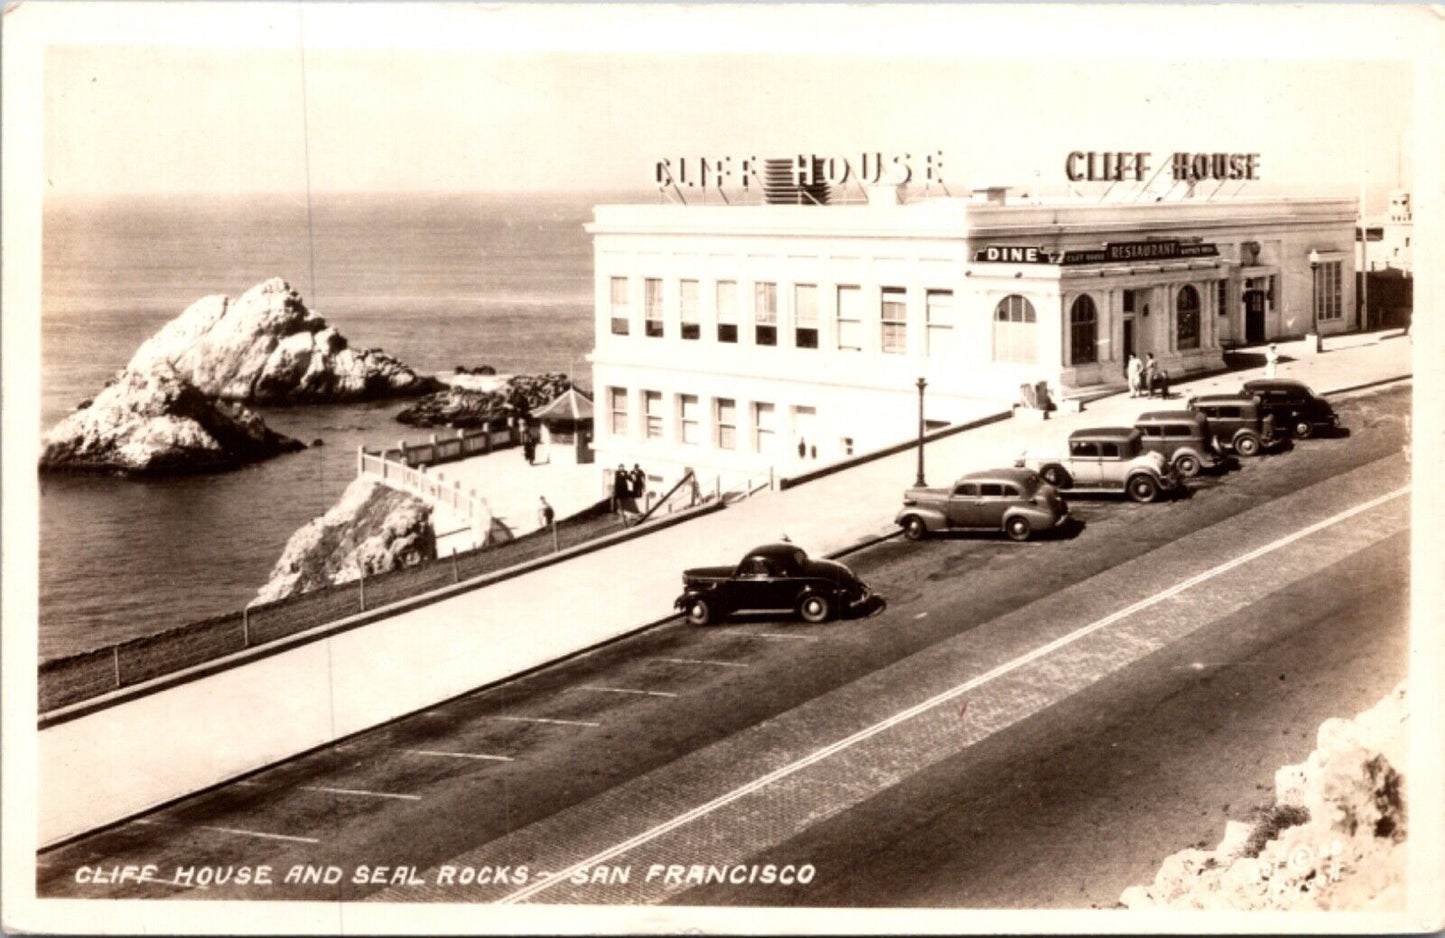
{"x": 1128, "y": 344}
{"x": 1254, "y": 317}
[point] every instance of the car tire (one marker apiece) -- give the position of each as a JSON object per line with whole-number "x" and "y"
{"x": 1187, "y": 464}
{"x": 815, "y": 608}
{"x": 1303, "y": 429}
{"x": 1056, "y": 475}
{"x": 1143, "y": 489}
{"x": 1246, "y": 444}
{"x": 914, "y": 529}
{"x": 700, "y": 612}
{"x": 1018, "y": 528}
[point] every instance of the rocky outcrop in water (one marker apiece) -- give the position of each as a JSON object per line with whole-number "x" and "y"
{"x": 1334, "y": 839}
{"x": 469, "y": 408}
{"x": 266, "y": 347}
{"x": 372, "y": 528}
{"x": 155, "y": 423}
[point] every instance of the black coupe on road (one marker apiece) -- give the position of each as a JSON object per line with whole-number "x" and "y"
{"x": 772, "y": 578}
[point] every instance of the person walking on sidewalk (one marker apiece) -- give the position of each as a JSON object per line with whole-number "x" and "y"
{"x": 529, "y": 444}
{"x": 545, "y": 514}
{"x": 1151, "y": 371}
{"x": 1135, "y": 372}
{"x": 1271, "y": 359}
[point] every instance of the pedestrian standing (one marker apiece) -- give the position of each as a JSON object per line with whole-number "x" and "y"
{"x": 1163, "y": 381}
{"x": 529, "y": 445}
{"x": 1271, "y": 359}
{"x": 1135, "y": 371}
{"x": 639, "y": 481}
{"x": 621, "y": 488}
{"x": 545, "y": 514}
{"x": 1151, "y": 371}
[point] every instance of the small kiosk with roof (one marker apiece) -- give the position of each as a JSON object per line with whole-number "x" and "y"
{"x": 567, "y": 427}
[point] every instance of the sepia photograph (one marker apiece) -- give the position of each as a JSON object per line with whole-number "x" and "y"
{"x": 721, "y": 468}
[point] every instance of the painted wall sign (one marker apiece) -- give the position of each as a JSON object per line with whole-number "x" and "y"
{"x": 808, "y": 169}
{"x": 1118, "y": 166}
{"x": 1117, "y": 252}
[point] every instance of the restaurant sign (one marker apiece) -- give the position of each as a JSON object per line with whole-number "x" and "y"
{"x": 1116, "y": 252}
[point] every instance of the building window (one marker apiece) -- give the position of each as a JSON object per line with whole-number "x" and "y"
{"x": 938, "y": 309}
{"x": 850, "y": 319}
{"x": 687, "y": 306}
{"x": 652, "y": 410}
{"x": 621, "y": 314}
{"x": 1327, "y": 291}
{"x": 1222, "y": 298}
{"x": 895, "y": 321}
{"x": 805, "y": 315}
{"x": 1083, "y": 331}
{"x": 764, "y": 428}
{"x": 1186, "y": 317}
{"x": 725, "y": 415}
{"x": 617, "y": 403}
{"x": 1014, "y": 328}
{"x": 652, "y": 306}
{"x": 687, "y": 415}
{"x": 727, "y": 311}
{"x": 765, "y": 313}
{"x": 1129, "y": 301}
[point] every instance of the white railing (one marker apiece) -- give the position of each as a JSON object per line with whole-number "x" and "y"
{"x": 470, "y": 507}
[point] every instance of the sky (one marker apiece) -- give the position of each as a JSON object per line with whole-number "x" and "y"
{"x": 311, "y": 100}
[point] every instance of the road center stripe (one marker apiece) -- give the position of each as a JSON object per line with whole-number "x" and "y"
{"x": 819, "y": 755}
{"x": 360, "y": 791}
{"x": 625, "y": 690}
{"x": 262, "y": 834}
{"x": 457, "y": 755}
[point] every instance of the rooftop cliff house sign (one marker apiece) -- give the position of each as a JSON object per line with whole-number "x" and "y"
{"x": 1113, "y": 253}
{"x": 1114, "y": 166}
{"x": 804, "y": 170}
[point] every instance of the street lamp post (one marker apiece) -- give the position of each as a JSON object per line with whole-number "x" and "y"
{"x": 921, "y": 385}
{"x": 1314, "y": 299}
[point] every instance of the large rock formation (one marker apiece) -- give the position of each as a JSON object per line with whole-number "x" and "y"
{"x": 267, "y": 347}
{"x": 1334, "y": 839}
{"x": 156, "y": 423}
{"x": 473, "y": 408}
{"x": 372, "y": 528}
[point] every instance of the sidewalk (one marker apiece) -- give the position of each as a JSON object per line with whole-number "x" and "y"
{"x": 513, "y": 489}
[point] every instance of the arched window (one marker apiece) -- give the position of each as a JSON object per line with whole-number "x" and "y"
{"x": 1187, "y": 317}
{"x": 1014, "y": 328}
{"x": 1083, "y": 331}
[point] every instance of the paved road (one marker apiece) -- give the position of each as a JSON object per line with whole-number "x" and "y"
{"x": 716, "y": 746}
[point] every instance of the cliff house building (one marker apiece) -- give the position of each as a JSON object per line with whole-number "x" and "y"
{"x": 735, "y": 340}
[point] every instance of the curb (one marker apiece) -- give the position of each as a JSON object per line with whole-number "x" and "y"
{"x": 1369, "y": 384}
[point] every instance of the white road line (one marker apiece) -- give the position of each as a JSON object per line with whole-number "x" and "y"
{"x": 457, "y": 755}
{"x": 799, "y": 638}
{"x": 360, "y": 791}
{"x": 721, "y": 664}
{"x": 261, "y": 834}
{"x": 921, "y": 615}
{"x": 868, "y": 732}
{"x": 144, "y": 822}
{"x": 624, "y": 690}
{"x": 547, "y": 720}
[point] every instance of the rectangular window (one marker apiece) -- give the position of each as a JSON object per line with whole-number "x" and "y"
{"x": 652, "y": 306}
{"x": 938, "y": 309}
{"x": 617, "y": 403}
{"x": 765, "y": 313}
{"x": 1129, "y": 301}
{"x": 1222, "y": 298}
{"x": 1327, "y": 291}
{"x": 687, "y": 308}
{"x": 688, "y": 413}
{"x": 764, "y": 428}
{"x": 652, "y": 410}
{"x": 805, "y": 315}
{"x": 727, "y": 311}
{"x": 895, "y": 321}
{"x": 850, "y": 319}
{"x": 621, "y": 311}
{"x": 725, "y": 416}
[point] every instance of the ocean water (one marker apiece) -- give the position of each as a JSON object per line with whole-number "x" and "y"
{"x": 436, "y": 280}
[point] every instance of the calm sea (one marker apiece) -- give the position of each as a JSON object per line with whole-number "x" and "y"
{"x": 436, "y": 280}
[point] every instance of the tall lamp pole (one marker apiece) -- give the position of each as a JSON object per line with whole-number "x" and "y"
{"x": 1314, "y": 297}
{"x": 921, "y": 385}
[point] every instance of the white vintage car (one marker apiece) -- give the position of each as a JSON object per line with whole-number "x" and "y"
{"x": 1104, "y": 460}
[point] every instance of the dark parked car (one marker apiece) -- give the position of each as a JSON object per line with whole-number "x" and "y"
{"x": 771, "y": 578}
{"x": 1015, "y": 501}
{"x": 1105, "y": 459}
{"x": 1237, "y": 421}
{"x": 1181, "y": 436}
{"x": 1293, "y": 405}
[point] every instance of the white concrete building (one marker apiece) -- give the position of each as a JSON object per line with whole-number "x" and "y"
{"x": 734, "y": 340}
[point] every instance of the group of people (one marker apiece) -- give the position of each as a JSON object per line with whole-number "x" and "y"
{"x": 627, "y": 488}
{"x": 1146, "y": 378}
